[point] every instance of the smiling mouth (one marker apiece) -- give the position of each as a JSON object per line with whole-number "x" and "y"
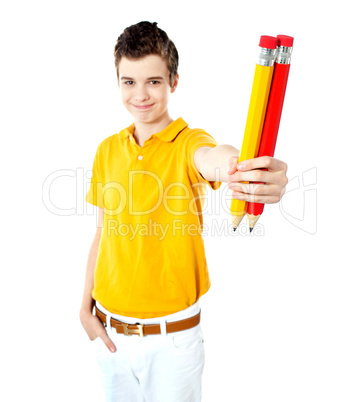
{"x": 143, "y": 107}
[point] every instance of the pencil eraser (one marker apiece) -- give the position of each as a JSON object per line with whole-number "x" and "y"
{"x": 284, "y": 40}
{"x": 268, "y": 42}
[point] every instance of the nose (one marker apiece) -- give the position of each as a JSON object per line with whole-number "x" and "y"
{"x": 141, "y": 94}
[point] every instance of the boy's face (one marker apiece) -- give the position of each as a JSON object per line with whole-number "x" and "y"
{"x": 145, "y": 87}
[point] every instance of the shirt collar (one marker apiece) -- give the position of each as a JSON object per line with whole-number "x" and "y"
{"x": 167, "y": 135}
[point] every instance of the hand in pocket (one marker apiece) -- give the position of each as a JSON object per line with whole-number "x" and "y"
{"x": 95, "y": 329}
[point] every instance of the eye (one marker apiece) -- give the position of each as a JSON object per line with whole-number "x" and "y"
{"x": 154, "y": 82}
{"x": 128, "y": 82}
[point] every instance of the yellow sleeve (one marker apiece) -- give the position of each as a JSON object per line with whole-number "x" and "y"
{"x": 95, "y": 193}
{"x": 197, "y": 139}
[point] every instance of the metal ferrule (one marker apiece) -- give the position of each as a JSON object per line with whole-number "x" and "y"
{"x": 267, "y": 57}
{"x": 284, "y": 55}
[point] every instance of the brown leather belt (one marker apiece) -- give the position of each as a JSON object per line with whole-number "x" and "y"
{"x": 148, "y": 329}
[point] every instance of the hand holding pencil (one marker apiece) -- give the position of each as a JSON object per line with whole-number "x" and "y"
{"x": 251, "y": 170}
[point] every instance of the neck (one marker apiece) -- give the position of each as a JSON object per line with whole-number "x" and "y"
{"x": 143, "y": 131}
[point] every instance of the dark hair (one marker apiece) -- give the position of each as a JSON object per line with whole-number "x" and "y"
{"x": 145, "y": 38}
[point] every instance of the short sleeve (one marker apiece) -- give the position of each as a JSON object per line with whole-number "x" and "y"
{"x": 95, "y": 193}
{"x": 195, "y": 140}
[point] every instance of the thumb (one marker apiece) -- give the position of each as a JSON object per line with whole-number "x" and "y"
{"x": 233, "y": 161}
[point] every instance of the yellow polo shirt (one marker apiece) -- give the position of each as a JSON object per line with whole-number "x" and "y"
{"x": 151, "y": 260}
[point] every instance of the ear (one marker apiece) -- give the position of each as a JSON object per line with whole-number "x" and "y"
{"x": 175, "y": 84}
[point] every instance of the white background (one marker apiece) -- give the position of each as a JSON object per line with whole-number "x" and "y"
{"x": 280, "y": 320}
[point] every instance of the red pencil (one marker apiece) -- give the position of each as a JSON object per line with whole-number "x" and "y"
{"x": 273, "y": 113}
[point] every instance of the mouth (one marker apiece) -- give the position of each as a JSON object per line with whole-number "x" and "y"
{"x": 143, "y": 107}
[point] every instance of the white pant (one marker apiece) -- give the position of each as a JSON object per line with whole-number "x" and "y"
{"x": 153, "y": 368}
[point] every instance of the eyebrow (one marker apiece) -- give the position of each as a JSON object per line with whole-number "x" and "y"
{"x": 150, "y": 78}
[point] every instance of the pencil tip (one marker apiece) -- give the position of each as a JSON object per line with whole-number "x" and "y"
{"x": 234, "y": 229}
{"x": 251, "y": 229}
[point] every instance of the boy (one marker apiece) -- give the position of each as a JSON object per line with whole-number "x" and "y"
{"x": 147, "y": 268}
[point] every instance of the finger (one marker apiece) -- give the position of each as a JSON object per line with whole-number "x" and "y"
{"x": 251, "y": 188}
{"x": 260, "y": 193}
{"x": 258, "y": 176}
{"x": 260, "y": 199}
{"x": 262, "y": 162}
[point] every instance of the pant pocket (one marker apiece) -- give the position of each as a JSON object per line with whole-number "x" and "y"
{"x": 188, "y": 339}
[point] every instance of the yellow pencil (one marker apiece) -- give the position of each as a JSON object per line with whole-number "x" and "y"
{"x": 256, "y": 114}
